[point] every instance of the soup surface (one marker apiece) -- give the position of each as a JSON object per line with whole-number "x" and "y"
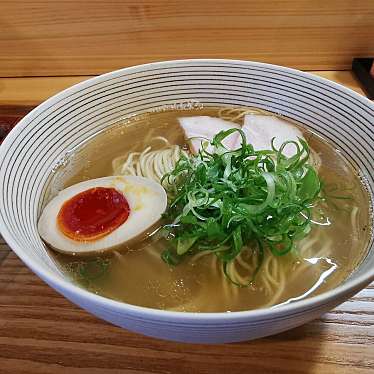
{"x": 137, "y": 274}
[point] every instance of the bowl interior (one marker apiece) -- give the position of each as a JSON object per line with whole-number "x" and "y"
{"x": 66, "y": 120}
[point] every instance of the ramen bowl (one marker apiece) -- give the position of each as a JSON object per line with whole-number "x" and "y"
{"x": 46, "y": 136}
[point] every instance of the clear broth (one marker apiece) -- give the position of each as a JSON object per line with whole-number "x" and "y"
{"x": 138, "y": 276}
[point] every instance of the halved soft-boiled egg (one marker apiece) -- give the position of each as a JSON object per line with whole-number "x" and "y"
{"x": 101, "y": 214}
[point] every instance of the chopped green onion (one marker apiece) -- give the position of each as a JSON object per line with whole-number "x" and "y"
{"x": 184, "y": 244}
{"x": 93, "y": 269}
{"x": 226, "y": 199}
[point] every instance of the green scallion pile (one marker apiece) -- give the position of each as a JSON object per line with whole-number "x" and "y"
{"x": 223, "y": 200}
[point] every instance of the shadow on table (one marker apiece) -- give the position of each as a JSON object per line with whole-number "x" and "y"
{"x": 294, "y": 351}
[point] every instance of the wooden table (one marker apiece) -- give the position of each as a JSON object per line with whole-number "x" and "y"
{"x": 42, "y": 332}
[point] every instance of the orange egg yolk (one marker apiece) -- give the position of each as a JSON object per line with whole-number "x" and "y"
{"x": 93, "y": 213}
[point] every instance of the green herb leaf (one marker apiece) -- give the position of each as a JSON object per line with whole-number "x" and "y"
{"x": 310, "y": 185}
{"x": 170, "y": 257}
{"x": 184, "y": 244}
{"x": 93, "y": 269}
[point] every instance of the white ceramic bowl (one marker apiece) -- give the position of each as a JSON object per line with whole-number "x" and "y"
{"x": 65, "y": 120}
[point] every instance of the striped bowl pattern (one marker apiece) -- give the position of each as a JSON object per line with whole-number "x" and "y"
{"x": 44, "y": 136}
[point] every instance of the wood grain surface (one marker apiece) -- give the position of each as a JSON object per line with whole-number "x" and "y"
{"x": 52, "y": 37}
{"x": 32, "y": 91}
{"x": 42, "y": 332}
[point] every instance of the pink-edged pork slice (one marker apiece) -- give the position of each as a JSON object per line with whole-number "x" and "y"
{"x": 260, "y": 130}
{"x": 201, "y": 129}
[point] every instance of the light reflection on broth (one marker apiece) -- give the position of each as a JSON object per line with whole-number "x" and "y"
{"x": 138, "y": 276}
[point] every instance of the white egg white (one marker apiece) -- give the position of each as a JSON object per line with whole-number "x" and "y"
{"x": 147, "y": 200}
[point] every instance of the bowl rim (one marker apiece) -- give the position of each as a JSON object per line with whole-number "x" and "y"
{"x": 64, "y": 286}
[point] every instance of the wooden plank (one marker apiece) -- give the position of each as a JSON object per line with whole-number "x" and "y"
{"x": 4, "y": 249}
{"x": 41, "y": 332}
{"x": 50, "y": 37}
{"x": 32, "y": 91}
